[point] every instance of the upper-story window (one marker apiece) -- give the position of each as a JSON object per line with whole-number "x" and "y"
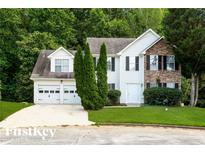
{"x": 170, "y": 63}
{"x": 111, "y": 64}
{"x": 61, "y": 65}
{"x": 132, "y": 63}
{"x": 153, "y": 62}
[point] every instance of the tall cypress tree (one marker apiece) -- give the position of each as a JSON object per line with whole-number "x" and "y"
{"x": 79, "y": 71}
{"x": 102, "y": 75}
{"x": 91, "y": 97}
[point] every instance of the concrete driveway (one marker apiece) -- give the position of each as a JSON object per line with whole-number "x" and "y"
{"x": 47, "y": 115}
{"x": 109, "y": 135}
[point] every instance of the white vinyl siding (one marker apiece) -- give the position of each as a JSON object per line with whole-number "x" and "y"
{"x": 61, "y": 65}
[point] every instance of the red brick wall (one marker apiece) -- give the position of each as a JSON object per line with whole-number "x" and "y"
{"x": 161, "y": 48}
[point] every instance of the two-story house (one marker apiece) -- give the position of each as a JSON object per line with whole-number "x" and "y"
{"x": 133, "y": 65}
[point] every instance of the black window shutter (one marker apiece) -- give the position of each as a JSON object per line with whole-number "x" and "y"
{"x": 159, "y": 62}
{"x": 164, "y": 85}
{"x": 113, "y": 64}
{"x": 113, "y": 86}
{"x": 176, "y": 85}
{"x": 94, "y": 61}
{"x": 148, "y": 62}
{"x": 165, "y": 62}
{"x": 148, "y": 85}
{"x": 127, "y": 64}
{"x": 176, "y": 65}
{"x": 137, "y": 63}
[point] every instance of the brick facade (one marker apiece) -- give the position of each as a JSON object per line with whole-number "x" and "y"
{"x": 161, "y": 48}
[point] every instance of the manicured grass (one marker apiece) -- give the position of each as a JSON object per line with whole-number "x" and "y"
{"x": 186, "y": 116}
{"x": 8, "y": 108}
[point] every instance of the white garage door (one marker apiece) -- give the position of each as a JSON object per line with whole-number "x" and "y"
{"x": 70, "y": 95}
{"x": 49, "y": 94}
{"x": 133, "y": 93}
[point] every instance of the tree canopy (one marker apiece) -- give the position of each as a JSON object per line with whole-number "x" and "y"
{"x": 23, "y": 32}
{"x": 185, "y": 29}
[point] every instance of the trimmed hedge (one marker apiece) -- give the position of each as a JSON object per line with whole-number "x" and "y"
{"x": 162, "y": 96}
{"x": 114, "y": 97}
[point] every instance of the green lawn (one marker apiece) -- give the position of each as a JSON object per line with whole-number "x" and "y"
{"x": 8, "y": 108}
{"x": 186, "y": 116}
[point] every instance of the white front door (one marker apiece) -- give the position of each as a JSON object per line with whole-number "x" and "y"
{"x": 70, "y": 95}
{"x": 48, "y": 94}
{"x": 133, "y": 93}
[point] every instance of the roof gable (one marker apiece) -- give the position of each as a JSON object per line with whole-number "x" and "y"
{"x": 116, "y": 46}
{"x": 60, "y": 50}
{"x": 144, "y": 51}
{"x": 149, "y": 31}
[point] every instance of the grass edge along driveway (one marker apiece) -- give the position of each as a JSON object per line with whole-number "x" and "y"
{"x": 183, "y": 116}
{"x": 8, "y": 108}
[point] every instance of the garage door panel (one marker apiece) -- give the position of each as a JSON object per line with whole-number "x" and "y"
{"x": 70, "y": 95}
{"x": 49, "y": 94}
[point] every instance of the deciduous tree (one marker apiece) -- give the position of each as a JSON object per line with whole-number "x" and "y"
{"x": 185, "y": 29}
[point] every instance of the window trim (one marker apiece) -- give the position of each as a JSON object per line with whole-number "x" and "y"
{"x": 172, "y": 86}
{"x": 157, "y": 63}
{"x": 132, "y": 63}
{"x": 111, "y": 64}
{"x": 62, "y": 65}
{"x": 167, "y": 68}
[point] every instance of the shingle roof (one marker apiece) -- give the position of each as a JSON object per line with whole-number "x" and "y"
{"x": 42, "y": 68}
{"x": 114, "y": 45}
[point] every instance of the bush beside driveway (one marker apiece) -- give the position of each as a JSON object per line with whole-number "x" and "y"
{"x": 183, "y": 116}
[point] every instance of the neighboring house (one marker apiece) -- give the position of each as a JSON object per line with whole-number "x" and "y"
{"x": 133, "y": 65}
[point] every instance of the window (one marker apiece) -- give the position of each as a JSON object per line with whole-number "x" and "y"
{"x": 61, "y": 65}
{"x": 170, "y": 85}
{"x": 111, "y": 64}
{"x": 153, "y": 62}
{"x": 153, "y": 84}
{"x": 111, "y": 86}
{"x": 51, "y": 91}
{"x": 66, "y": 91}
{"x": 57, "y": 91}
{"x": 132, "y": 63}
{"x": 71, "y": 91}
{"x": 40, "y": 91}
{"x": 46, "y": 91}
{"x": 170, "y": 64}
